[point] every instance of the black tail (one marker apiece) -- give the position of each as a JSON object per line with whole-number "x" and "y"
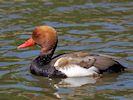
{"x": 116, "y": 67}
{"x": 122, "y": 68}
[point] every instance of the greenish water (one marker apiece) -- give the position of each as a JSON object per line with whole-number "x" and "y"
{"x": 99, "y": 26}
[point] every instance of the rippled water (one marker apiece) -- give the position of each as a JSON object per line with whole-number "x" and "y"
{"x": 99, "y": 26}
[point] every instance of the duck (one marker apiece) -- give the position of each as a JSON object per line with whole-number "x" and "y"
{"x": 74, "y": 64}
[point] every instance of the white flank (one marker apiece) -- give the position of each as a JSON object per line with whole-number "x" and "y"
{"x": 73, "y": 70}
{"x": 77, "y": 71}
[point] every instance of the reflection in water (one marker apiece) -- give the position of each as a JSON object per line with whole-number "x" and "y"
{"x": 77, "y": 81}
{"x": 73, "y": 84}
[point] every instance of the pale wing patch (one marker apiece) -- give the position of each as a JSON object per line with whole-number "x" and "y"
{"x": 63, "y": 62}
{"x": 57, "y": 62}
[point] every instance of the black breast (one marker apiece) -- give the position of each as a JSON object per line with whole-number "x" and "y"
{"x": 42, "y": 68}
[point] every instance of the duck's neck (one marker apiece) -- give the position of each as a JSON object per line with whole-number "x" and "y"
{"x": 45, "y": 58}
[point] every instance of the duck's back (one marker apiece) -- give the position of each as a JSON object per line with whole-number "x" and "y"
{"x": 85, "y": 64}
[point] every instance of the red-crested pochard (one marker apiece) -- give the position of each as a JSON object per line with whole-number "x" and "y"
{"x": 74, "y": 64}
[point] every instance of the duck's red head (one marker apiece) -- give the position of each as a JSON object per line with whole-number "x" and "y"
{"x": 45, "y": 36}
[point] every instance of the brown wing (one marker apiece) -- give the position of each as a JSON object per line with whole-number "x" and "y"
{"x": 103, "y": 62}
{"x": 78, "y": 58}
{"x": 85, "y": 60}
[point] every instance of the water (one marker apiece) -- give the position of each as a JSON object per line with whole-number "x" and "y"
{"x": 99, "y": 26}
